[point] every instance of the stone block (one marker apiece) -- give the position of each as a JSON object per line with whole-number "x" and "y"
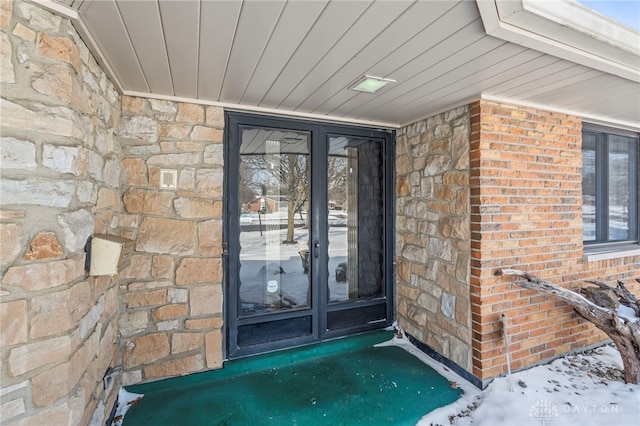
{"x": 7, "y": 73}
{"x": 133, "y": 171}
{"x": 209, "y": 182}
{"x": 58, "y": 415}
{"x": 51, "y": 385}
{"x": 57, "y": 121}
{"x": 56, "y": 81}
{"x": 108, "y": 198}
{"x": 203, "y": 324}
{"x": 55, "y": 313}
{"x": 111, "y": 172}
{"x": 37, "y": 191}
{"x": 210, "y": 237}
{"x": 60, "y": 48}
{"x": 167, "y": 325}
{"x": 11, "y": 409}
{"x": 215, "y": 116}
{"x": 146, "y": 298}
{"x": 173, "y": 160}
{"x": 175, "y": 131}
{"x": 11, "y": 214}
{"x": 132, "y": 322}
{"x": 131, "y": 377}
{"x": 85, "y": 192}
{"x": 13, "y": 317}
{"x": 88, "y": 322}
{"x": 187, "y": 178}
{"x": 163, "y": 267}
{"x": 44, "y": 246}
{"x": 96, "y": 165}
{"x": 166, "y": 236}
{"x": 139, "y": 268}
{"x": 190, "y": 113}
{"x": 10, "y": 242}
{"x": 213, "y": 345}
{"x": 205, "y": 300}
{"x": 214, "y": 155}
{"x": 194, "y": 207}
{"x": 448, "y": 305}
{"x": 149, "y": 285}
{"x": 176, "y": 367}
{"x": 177, "y": 295}
{"x": 77, "y": 227}
{"x": 146, "y": 349}
{"x": 132, "y": 104}
{"x": 185, "y": 342}
{"x": 17, "y": 154}
{"x": 197, "y": 271}
{"x": 35, "y": 355}
{"x": 168, "y": 108}
{"x": 139, "y": 129}
{"x": 40, "y": 276}
{"x": 168, "y": 312}
{"x": 6, "y": 9}
{"x": 202, "y": 133}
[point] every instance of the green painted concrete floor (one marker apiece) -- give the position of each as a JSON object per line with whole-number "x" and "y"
{"x": 340, "y": 382}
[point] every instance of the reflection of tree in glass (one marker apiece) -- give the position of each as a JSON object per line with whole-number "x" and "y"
{"x": 337, "y": 180}
{"x": 249, "y": 186}
{"x": 279, "y": 174}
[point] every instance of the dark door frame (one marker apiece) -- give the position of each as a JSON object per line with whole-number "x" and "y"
{"x": 231, "y": 231}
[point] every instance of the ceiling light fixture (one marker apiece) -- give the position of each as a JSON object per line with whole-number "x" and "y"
{"x": 371, "y": 84}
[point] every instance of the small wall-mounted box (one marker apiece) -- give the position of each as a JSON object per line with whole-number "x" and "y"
{"x": 110, "y": 254}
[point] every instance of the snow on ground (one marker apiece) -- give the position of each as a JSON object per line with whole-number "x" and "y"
{"x": 583, "y": 389}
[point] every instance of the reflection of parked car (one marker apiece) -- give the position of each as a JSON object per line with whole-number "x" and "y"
{"x": 245, "y": 219}
{"x": 341, "y": 272}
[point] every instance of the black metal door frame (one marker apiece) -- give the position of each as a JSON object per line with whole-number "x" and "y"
{"x": 320, "y": 309}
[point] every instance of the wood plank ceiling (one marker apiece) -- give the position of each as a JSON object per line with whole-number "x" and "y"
{"x": 301, "y": 57}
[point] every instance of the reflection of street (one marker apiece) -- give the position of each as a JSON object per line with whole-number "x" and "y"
{"x": 271, "y": 273}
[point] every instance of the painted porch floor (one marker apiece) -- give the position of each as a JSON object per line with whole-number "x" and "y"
{"x": 340, "y": 382}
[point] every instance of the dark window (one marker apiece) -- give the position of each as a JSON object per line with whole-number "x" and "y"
{"x": 609, "y": 186}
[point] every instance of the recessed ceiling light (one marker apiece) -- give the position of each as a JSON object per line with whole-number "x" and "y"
{"x": 371, "y": 84}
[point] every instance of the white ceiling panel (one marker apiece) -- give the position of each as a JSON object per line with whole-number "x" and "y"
{"x": 355, "y": 39}
{"x": 216, "y": 39}
{"x": 300, "y": 57}
{"x": 402, "y": 36}
{"x": 142, "y": 20}
{"x": 109, "y": 31}
{"x": 334, "y": 21}
{"x": 257, "y": 22}
{"x": 295, "y": 22}
{"x": 182, "y": 44}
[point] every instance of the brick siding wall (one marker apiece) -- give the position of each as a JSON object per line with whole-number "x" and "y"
{"x": 526, "y": 213}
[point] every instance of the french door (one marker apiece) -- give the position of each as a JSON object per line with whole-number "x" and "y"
{"x": 309, "y": 232}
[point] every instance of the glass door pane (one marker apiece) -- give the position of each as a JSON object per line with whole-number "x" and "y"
{"x": 355, "y": 219}
{"x": 274, "y": 193}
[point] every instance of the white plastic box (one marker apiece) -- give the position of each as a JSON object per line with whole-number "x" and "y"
{"x": 110, "y": 254}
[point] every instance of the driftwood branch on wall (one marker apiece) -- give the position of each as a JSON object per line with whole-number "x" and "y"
{"x": 598, "y": 305}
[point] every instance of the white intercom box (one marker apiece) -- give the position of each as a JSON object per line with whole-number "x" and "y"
{"x": 110, "y": 254}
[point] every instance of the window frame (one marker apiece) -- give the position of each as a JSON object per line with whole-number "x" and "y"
{"x": 602, "y": 141}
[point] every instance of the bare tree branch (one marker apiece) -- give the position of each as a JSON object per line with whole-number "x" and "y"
{"x": 624, "y": 332}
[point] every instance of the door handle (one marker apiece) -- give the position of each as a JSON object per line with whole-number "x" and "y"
{"x": 316, "y": 249}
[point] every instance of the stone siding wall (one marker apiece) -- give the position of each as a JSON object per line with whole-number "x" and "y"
{"x": 60, "y": 175}
{"x": 526, "y": 203}
{"x": 433, "y": 241}
{"x": 172, "y": 294}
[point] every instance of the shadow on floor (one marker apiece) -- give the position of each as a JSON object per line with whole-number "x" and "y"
{"x": 340, "y": 382}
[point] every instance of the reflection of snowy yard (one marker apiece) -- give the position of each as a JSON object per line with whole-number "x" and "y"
{"x": 272, "y": 272}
